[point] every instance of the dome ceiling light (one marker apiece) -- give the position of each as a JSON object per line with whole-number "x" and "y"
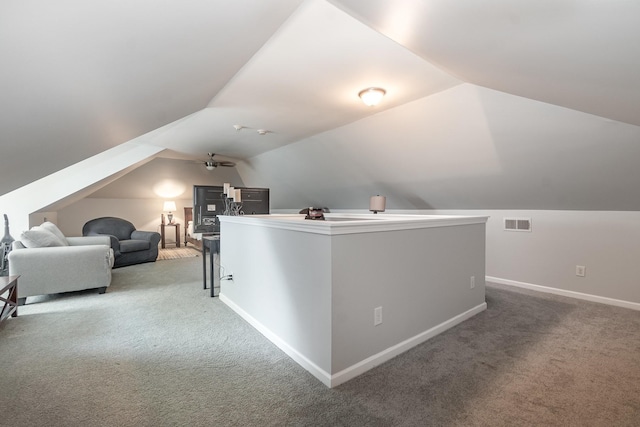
{"x": 371, "y": 96}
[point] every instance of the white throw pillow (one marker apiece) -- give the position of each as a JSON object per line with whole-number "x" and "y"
{"x": 53, "y": 229}
{"x": 38, "y": 237}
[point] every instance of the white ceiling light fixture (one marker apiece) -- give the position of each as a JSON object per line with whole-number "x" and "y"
{"x": 371, "y": 96}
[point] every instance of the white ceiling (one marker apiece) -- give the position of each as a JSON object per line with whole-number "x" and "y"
{"x": 303, "y": 81}
{"x": 81, "y": 77}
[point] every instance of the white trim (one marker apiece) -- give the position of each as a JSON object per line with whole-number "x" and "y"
{"x": 391, "y": 352}
{"x": 570, "y": 294}
{"x": 362, "y": 366}
{"x": 353, "y": 223}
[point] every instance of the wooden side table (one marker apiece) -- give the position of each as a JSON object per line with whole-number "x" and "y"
{"x": 10, "y": 308}
{"x": 177, "y": 227}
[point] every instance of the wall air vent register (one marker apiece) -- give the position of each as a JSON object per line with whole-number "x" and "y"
{"x": 517, "y": 224}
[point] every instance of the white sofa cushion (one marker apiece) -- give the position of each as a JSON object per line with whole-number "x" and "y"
{"x": 51, "y": 227}
{"x": 38, "y": 237}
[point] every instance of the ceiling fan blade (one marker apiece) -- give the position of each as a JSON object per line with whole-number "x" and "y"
{"x": 212, "y": 164}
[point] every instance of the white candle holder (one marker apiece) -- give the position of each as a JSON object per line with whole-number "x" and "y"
{"x": 231, "y": 207}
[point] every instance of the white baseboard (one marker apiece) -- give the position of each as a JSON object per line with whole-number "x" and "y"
{"x": 362, "y": 366}
{"x": 570, "y": 294}
{"x": 391, "y": 352}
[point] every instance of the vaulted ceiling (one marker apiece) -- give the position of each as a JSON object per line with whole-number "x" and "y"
{"x": 493, "y": 104}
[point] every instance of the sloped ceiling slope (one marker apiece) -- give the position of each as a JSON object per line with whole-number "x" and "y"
{"x": 464, "y": 148}
{"x": 79, "y": 77}
{"x": 582, "y": 55}
{"x": 166, "y": 178}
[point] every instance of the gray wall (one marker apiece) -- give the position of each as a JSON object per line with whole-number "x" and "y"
{"x": 607, "y": 243}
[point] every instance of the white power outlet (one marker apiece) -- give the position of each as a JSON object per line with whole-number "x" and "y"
{"x": 581, "y": 270}
{"x": 472, "y": 282}
{"x": 377, "y": 316}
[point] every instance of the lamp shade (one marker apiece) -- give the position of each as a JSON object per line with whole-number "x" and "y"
{"x": 377, "y": 204}
{"x": 169, "y": 206}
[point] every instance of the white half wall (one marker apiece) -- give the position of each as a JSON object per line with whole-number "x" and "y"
{"x": 313, "y": 287}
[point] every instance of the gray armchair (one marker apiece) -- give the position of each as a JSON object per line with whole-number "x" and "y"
{"x": 129, "y": 245}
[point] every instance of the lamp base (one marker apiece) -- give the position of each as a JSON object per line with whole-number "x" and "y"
{"x": 170, "y": 218}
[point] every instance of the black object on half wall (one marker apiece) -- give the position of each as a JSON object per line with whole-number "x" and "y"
{"x": 208, "y": 204}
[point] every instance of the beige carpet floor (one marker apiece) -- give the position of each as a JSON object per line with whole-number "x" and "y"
{"x": 157, "y": 351}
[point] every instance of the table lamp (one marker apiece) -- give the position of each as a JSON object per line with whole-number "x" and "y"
{"x": 169, "y": 207}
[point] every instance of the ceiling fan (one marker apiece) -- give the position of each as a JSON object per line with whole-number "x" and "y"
{"x": 212, "y": 164}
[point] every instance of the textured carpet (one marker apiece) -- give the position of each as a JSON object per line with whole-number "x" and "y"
{"x": 177, "y": 253}
{"x": 156, "y": 350}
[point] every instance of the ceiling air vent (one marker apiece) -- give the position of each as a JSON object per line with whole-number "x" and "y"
{"x": 517, "y": 224}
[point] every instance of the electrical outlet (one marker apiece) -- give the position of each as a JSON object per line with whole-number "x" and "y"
{"x": 377, "y": 316}
{"x": 472, "y": 282}
{"x": 581, "y": 270}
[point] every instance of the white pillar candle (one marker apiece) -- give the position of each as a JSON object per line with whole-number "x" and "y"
{"x": 237, "y": 197}
{"x": 226, "y": 186}
{"x": 377, "y": 203}
{"x": 231, "y": 192}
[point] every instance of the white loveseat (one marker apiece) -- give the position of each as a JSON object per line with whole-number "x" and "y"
{"x": 64, "y": 264}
